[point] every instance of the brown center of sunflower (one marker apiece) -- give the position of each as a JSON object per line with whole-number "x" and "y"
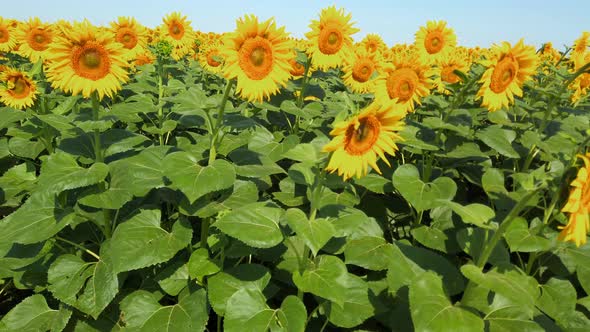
{"x": 127, "y": 37}
{"x": 176, "y": 30}
{"x": 21, "y": 88}
{"x": 297, "y": 69}
{"x": 39, "y": 39}
{"x": 503, "y": 74}
{"x": 447, "y": 74}
{"x": 584, "y": 81}
{"x": 211, "y": 61}
{"x": 361, "y": 139}
{"x": 91, "y": 61}
{"x": 256, "y": 58}
{"x": 434, "y": 42}
{"x": 401, "y": 84}
{"x": 331, "y": 39}
{"x": 363, "y": 70}
{"x": 372, "y": 47}
{"x": 3, "y": 35}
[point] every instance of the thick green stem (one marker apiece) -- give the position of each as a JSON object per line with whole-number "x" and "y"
{"x": 90, "y": 252}
{"x": 205, "y": 232}
{"x": 95, "y": 116}
{"x": 219, "y": 122}
{"x": 160, "y": 105}
{"x": 301, "y": 96}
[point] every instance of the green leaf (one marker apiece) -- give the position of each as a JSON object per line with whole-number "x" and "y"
{"x": 433, "y": 238}
{"x": 59, "y": 122}
{"x": 432, "y": 310}
{"x": 69, "y": 274}
{"x": 476, "y": 214}
{"x": 167, "y": 126}
{"x": 499, "y": 140}
{"x": 558, "y": 299}
{"x": 9, "y": 115}
{"x": 60, "y": 172}
{"x": 200, "y": 265}
{"x": 16, "y": 182}
{"x": 31, "y": 314}
{"x": 304, "y": 152}
{"x": 247, "y": 311}
{"x": 519, "y": 238}
{"x": 141, "y": 241}
{"x": 370, "y": 252}
{"x": 326, "y": 278}
{"x": 315, "y": 233}
{"x": 375, "y": 183}
{"x": 255, "y": 224}
{"x": 473, "y": 241}
{"x": 118, "y": 192}
{"x": 39, "y": 218}
{"x": 510, "y": 283}
{"x": 224, "y": 284}
{"x": 174, "y": 278}
{"x": 194, "y": 180}
{"x": 422, "y": 196}
{"x": 357, "y": 306}
{"x": 25, "y": 148}
{"x": 292, "y": 314}
{"x": 66, "y": 105}
{"x": 511, "y": 319}
{"x": 145, "y": 170}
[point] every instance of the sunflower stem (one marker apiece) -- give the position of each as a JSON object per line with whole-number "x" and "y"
{"x": 301, "y": 96}
{"x": 160, "y": 102}
{"x": 95, "y": 116}
{"x": 90, "y": 252}
{"x": 219, "y": 122}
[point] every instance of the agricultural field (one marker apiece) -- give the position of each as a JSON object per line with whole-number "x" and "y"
{"x": 170, "y": 179}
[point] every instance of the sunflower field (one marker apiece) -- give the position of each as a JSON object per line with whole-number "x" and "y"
{"x": 169, "y": 179}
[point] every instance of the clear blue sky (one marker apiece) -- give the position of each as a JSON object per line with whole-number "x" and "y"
{"x": 475, "y": 22}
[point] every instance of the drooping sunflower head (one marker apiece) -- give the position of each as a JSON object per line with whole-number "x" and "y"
{"x": 549, "y": 54}
{"x": 373, "y": 43}
{"x": 330, "y": 38}
{"x": 359, "y": 142}
{"x": 435, "y": 41}
{"x": 8, "y": 39}
{"x": 131, "y": 35}
{"x": 507, "y": 70}
{"x": 581, "y": 84}
{"x": 403, "y": 82}
{"x": 360, "y": 71}
{"x": 209, "y": 56}
{"x": 578, "y": 206}
{"x": 445, "y": 70}
{"x": 177, "y": 30}
{"x": 579, "y": 49}
{"x": 35, "y": 38}
{"x": 257, "y": 54}
{"x": 17, "y": 89}
{"x": 87, "y": 60}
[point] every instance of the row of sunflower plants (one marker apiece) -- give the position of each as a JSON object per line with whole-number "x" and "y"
{"x": 170, "y": 179}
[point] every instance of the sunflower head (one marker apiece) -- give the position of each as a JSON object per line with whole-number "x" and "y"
{"x": 18, "y": 90}
{"x": 581, "y": 83}
{"x": 507, "y": 70}
{"x": 131, "y": 35}
{"x": 579, "y": 49}
{"x": 361, "y": 70}
{"x": 35, "y": 37}
{"x": 435, "y": 41}
{"x": 330, "y": 38}
{"x": 8, "y": 39}
{"x": 445, "y": 69}
{"x": 373, "y": 43}
{"x": 578, "y": 206}
{"x": 257, "y": 54}
{"x": 87, "y": 60}
{"x": 359, "y": 142}
{"x": 404, "y": 82}
{"x": 176, "y": 30}
{"x": 209, "y": 55}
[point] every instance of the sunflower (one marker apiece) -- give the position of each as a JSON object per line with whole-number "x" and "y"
{"x": 361, "y": 69}
{"x": 578, "y": 206}
{"x": 35, "y": 37}
{"x": 257, "y": 54}
{"x": 144, "y": 58}
{"x": 8, "y": 38}
{"x": 362, "y": 140}
{"x": 446, "y": 71}
{"x": 330, "y": 37}
{"x": 18, "y": 90}
{"x": 176, "y": 29}
{"x": 581, "y": 84}
{"x": 550, "y": 54}
{"x": 507, "y": 70}
{"x": 132, "y": 35}
{"x": 373, "y": 43}
{"x": 435, "y": 41}
{"x": 404, "y": 81}
{"x": 579, "y": 49}
{"x": 89, "y": 60}
{"x": 209, "y": 56}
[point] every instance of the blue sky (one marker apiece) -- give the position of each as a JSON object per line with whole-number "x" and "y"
{"x": 475, "y": 22}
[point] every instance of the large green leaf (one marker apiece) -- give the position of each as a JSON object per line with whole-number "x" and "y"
{"x": 145, "y": 170}
{"x": 200, "y": 265}
{"x": 255, "y": 224}
{"x": 357, "y": 306}
{"x": 326, "y": 277}
{"x": 247, "y": 311}
{"x": 39, "y": 218}
{"x": 476, "y": 214}
{"x": 292, "y": 314}
{"x": 141, "y": 241}
{"x": 370, "y": 252}
{"x": 33, "y": 314}
{"x": 315, "y": 233}
{"x": 61, "y": 172}
{"x": 558, "y": 299}
{"x": 432, "y": 310}
{"x": 520, "y": 238}
{"x": 194, "y": 180}
{"x": 499, "y": 140}
{"x": 224, "y": 284}
{"x": 422, "y": 196}
{"x": 118, "y": 192}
